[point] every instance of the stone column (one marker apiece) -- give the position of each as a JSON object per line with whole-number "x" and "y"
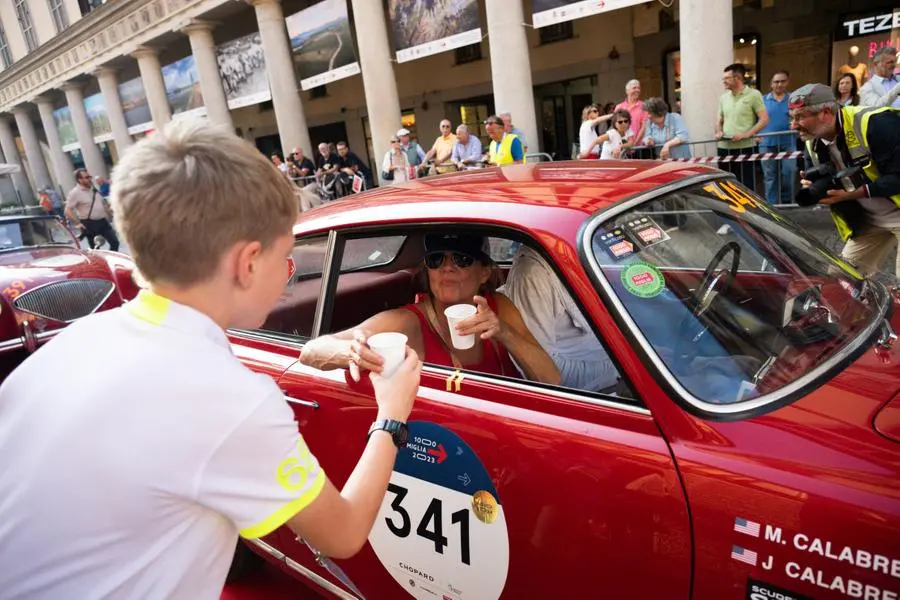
{"x": 109, "y": 87}
{"x": 511, "y": 67}
{"x": 62, "y": 164}
{"x": 379, "y": 81}
{"x": 289, "y": 114}
{"x": 32, "y": 144}
{"x": 11, "y": 156}
{"x": 204, "y": 50}
{"x": 154, "y": 85}
{"x": 93, "y": 160}
{"x": 707, "y": 47}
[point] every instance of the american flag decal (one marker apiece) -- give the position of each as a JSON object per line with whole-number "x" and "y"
{"x": 747, "y": 527}
{"x": 743, "y": 555}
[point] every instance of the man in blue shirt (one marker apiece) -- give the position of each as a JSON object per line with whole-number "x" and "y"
{"x": 779, "y": 175}
{"x": 467, "y": 150}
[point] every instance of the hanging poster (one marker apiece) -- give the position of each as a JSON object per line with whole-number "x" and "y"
{"x": 433, "y": 26}
{"x": 551, "y": 12}
{"x": 135, "y": 106}
{"x": 183, "y": 88}
{"x": 242, "y": 66}
{"x": 66, "y": 128}
{"x": 322, "y": 44}
{"x": 101, "y": 128}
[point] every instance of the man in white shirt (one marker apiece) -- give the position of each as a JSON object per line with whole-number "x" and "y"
{"x": 882, "y": 89}
{"x": 557, "y": 323}
{"x": 134, "y": 477}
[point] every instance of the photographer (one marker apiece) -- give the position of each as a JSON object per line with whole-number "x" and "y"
{"x": 853, "y": 166}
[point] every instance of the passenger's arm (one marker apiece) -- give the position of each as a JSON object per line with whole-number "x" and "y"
{"x": 347, "y": 349}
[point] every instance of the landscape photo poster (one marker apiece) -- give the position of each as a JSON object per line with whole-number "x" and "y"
{"x": 551, "y": 12}
{"x": 101, "y": 128}
{"x": 183, "y": 88}
{"x": 425, "y": 27}
{"x": 322, "y": 43}
{"x": 135, "y": 106}
{"x": 66, "y": 128}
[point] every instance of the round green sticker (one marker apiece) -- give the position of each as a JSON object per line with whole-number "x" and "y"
{"x": 643, "y": 280}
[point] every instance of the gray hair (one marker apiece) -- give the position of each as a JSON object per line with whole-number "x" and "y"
{"x": 884, "y": 51}
{"x": 631, "y": 83}
{"x": 506, "y": 114}
{"x": 462, "y": 127}
{"x": 832, "y": 107}
{"x": 656, "y": 107}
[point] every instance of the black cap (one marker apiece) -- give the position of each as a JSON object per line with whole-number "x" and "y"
{"x": 475, "y": 246}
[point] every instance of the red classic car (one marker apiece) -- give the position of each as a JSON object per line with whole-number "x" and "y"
{"x": 747, "y": 446}
{"x": 47, "y": 281}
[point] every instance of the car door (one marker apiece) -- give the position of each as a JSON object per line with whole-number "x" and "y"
{"x": 506, "y": 489}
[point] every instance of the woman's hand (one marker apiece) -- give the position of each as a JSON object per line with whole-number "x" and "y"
{"x": 485, "y": 323}
{"x": 664, "y": 152}
{"x": 649, "y": 141}
{"x": 361, "y": 357}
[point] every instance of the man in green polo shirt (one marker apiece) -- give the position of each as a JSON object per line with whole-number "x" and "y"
{"x": 742, "y": 114}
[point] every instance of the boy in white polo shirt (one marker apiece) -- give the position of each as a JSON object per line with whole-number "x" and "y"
{"x": 130, "y": 470}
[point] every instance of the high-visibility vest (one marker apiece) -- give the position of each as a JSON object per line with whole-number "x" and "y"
{"x": 501, "y": 154}
{"x": 856, "y": 129}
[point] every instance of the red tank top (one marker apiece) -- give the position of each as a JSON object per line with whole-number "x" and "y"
{"x": 494, "y": 357}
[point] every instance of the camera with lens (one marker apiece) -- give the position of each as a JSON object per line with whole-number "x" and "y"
{"x": 824, "y": 177}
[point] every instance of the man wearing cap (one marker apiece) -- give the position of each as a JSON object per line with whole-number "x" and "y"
{"x": 866, "y": 210}
{"x": 506, "y": 148}
{"x": 415, "y": 156}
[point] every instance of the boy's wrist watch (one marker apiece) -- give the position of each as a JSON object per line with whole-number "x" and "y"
{"x": 398, "y": 430}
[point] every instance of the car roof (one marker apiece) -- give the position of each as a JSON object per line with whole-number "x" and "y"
{"x": 515, "y": 194}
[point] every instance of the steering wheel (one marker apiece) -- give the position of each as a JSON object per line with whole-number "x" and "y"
{"x": 702, "y": 298}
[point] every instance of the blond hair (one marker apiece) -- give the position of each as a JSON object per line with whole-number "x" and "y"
{"x": 184, "y": 195}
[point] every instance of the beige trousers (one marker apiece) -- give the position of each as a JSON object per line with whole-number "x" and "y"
{"x": 867, "y": 250}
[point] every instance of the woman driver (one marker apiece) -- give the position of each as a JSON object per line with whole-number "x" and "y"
{"x": 459, "y": 269}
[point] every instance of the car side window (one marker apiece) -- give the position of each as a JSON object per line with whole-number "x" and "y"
{"x": 296, "y": 308}
{"x": 547, "y": 309}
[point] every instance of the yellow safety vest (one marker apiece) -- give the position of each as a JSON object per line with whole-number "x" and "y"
{"x": 856, "y": 128}
{"x": 501, "y": 154}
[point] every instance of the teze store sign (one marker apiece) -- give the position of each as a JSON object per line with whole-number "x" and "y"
{"x": 869, "y": 25}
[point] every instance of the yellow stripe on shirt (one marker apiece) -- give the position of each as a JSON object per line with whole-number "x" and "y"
{"x": 149, "y": 307}
{"x": 284, "y": 514}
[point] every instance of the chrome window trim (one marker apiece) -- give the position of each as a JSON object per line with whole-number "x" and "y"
{"x": 19, "y": 342}
{"x": 301, "y": 570}
{"x": 330, "y": 270}
{"x": 599, "y": 218}
{"x": 112, "y": 289}
{"x": 526, "y": 386}
{"x": 272, "y": 337}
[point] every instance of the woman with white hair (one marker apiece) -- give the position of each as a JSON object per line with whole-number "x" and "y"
{"x": 395, "y": 166}
{"x": 635, "y": 107}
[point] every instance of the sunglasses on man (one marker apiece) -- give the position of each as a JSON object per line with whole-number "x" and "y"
{"x": 434, "y": 260}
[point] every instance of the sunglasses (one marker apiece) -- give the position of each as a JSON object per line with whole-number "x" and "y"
{"x": 622, "y": 122}
{"x": 434, "y": 260}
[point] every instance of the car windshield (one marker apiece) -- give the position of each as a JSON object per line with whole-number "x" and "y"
{"x": 733, "y": 301}
{"x": 33, "y": 232}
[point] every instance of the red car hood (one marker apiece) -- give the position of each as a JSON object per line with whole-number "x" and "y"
{"x": 37, "y": 266}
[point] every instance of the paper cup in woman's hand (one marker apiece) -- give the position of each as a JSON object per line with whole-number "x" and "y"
{"x": 455, "y": 314}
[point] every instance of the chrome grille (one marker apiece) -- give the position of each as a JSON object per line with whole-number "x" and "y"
{"x": 67, "y": 300}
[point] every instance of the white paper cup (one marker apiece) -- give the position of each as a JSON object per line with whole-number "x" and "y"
{"x": 455, "y": 314}
{"x": 391, "y": 347}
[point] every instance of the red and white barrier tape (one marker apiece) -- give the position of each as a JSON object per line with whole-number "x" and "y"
{"x": 739, "y": 157}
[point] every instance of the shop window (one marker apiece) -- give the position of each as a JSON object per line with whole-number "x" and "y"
{"x": 408, "y": 122}
{"x": 469, "y": 53}
{"x": 473, "y": 116}
{"x": 746, "y": 52}
{"x": 556, "y": 32}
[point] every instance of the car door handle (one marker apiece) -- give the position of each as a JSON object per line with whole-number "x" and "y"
{"x": 307, "y": 403}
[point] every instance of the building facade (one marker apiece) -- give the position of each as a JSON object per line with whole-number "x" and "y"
{"x": 82, "y": 79}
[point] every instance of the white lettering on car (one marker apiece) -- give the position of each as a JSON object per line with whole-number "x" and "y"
{"x": 837, "y": 583}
